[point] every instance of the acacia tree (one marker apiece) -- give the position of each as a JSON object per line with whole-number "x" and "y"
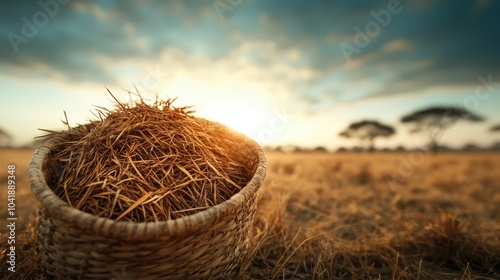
{"x": 368, "y": 131}
{"x": 436, "y": 120}
{"x": 496, "y": 145}
{"x": 495, "y": 128}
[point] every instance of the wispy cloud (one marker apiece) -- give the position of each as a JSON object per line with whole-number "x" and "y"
{"x": 265, "y": 51}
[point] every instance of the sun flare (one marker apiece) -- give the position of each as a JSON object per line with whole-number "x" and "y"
{"x": 244, "y": 117}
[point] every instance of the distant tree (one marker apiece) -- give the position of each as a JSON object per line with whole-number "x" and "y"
{"x": 289, "y": 148}
{"x": 278, "y": 149}
{"x": 368, "y": 131}
{"x": 341, "y": 150}
{"x": 357, "y": 149}
{"x": 320, "y": 149}
{"x": 5, "y": 137}
{"x": 495, "y": 128}
{"x": 298, "y": 149}
{"x": 436, "y": 120}
{"x": 495, "y": 146}
{"x": 471, "y": 147}
{"x": 400, "y": 148}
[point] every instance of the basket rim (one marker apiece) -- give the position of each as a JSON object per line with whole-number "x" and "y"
{"x": 126, "y": 230}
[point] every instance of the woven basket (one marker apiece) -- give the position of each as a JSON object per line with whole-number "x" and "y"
{"x": 212, "y": 244}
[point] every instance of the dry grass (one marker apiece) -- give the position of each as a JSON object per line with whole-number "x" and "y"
{"x": 345, "y": 216}
{"x": 27, "y": 264}
{"x": 349, "y": 216}
{"x": 145, "y": 163}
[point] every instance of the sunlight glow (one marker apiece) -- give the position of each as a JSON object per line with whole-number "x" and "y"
{"x": 243, "y": 117}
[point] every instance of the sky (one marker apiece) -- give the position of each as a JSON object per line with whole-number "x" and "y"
{"x": 283, "y": 73}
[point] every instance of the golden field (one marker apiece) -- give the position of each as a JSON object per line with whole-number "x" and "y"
{"x": 344, "y": 216}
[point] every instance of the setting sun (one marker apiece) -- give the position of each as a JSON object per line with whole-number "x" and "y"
{"x": 244, "y": 117}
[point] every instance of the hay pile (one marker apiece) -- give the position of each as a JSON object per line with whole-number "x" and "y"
{"x": 144, "y": 163}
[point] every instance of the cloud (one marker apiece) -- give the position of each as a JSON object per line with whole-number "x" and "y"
{"x": 295, "y": 45}
{"x": 398, "y": 45}
{"x": 80, "y": 32}
{"x": 482, "y": 4}
{"x": 453, "y": 51}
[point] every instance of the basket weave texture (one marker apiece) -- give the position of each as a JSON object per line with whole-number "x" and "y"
{"x": 211, "y": 244}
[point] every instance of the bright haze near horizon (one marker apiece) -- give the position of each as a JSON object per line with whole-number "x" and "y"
{"x": 294, "y": 73}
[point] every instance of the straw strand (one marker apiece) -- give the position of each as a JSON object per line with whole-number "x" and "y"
{"x": 142, "y": 163}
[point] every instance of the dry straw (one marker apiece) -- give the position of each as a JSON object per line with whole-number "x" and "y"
{"x": 146, "y": 192}
{"x": 143, "y": 163}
